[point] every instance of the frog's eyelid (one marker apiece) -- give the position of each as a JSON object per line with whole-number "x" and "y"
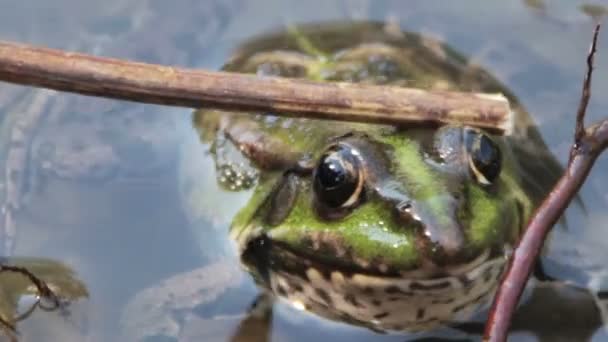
{"x": 356, "y": 195}
{"x": 354, "y": 198}
{"x": 478, "y": 175}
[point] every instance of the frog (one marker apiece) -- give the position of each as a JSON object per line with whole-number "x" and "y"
{"x": 395, "y": 229}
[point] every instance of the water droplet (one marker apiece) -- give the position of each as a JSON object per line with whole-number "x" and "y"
{"x": 26, "y": 303}
{"x": 48, "y": 303}
{"x": 298, "y": 305}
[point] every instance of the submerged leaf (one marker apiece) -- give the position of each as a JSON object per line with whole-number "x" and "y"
{"x": 536, "y": 4}
{"x": 595, "y": 11}
{"x": 15, "y": 285}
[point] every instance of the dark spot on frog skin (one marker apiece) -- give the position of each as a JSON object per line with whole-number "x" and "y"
{"x": 488, "y": 275}
{"x": 420, "y": 313}
{"x": 442, "y": 301}
{"x": 471, "y": 302}
{"x": 326, "y": 273}
{"x": 281, "y": 290}
{"x": 322, "y": 305}
{"x": 297, "y": 287}
{"x": 368, "y": 290}
{"x": 426, "y": 287}
{"x": 459, "y": 308}
{"x": 465, "y": 282}
{"x": 381, "y": 315}
{"x": 323, "y": 294}
{"x": 351, "y": 299}
{"x": 392, "y": 289}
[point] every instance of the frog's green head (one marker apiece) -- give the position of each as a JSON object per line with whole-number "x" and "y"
{"x": 393, "y": 203}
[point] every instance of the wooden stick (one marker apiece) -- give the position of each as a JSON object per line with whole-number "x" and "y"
{"x": 588, "y": 144}
{"x": 149, "y": 83}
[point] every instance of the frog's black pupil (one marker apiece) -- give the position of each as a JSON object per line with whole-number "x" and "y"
{"x": 336, "y": 177}
{"x": 331, "y": 173}
{"x": 487, "y": 158}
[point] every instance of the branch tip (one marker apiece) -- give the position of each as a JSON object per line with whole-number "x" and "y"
{"x": 586, "y": 92}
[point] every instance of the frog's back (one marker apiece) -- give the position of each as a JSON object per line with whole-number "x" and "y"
{"x": 373, "y": 53}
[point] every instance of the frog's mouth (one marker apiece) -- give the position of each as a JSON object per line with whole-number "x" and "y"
{"x": 382, "y": 302}
{"x": 264, "y": 255}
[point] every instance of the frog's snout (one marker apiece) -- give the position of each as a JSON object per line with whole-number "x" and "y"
{"x": 441, "y": 237}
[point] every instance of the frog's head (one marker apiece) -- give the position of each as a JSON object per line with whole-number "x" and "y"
{"x": 381, "y": 216}
{"x": 391, "y": 203}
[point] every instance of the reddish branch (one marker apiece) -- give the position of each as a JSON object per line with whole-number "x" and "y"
{"x": 588, "y": 145}
{"x": 159, "y": 84}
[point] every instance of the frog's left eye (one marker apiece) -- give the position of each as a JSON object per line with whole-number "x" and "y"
{"x": 484, "y": 157}
{"x": 338, "y": 180}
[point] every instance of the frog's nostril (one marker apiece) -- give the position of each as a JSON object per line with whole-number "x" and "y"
{"x": 404, "y": 206}
{"x": 441, "y": 235}
{"x": 445, "y": 242}
{"x": 407, "y": 215}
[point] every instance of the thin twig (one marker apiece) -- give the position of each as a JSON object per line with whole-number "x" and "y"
{"x": 149, "y": 83}
{"x": 586, "y": 93}
{"x": 43, "y": 292}
{"x": 588, "y": 145}
{"x": 41, "y": 286}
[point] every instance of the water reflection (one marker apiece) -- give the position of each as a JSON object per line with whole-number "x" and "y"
{"x": 129, "y": 232}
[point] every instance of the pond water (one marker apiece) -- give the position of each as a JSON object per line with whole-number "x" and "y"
{"x": 97, "y": 187}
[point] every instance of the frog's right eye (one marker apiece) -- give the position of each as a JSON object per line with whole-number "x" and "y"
{"x": 338, "y": 179}
{"x": 484, "y": 157}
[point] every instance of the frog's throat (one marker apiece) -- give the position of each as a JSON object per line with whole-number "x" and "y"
{"x": 409, "y": 302}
